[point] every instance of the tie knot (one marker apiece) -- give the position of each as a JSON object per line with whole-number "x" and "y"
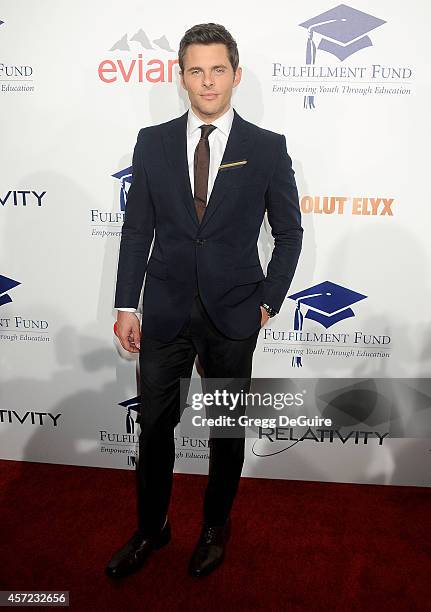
{"x": 206, "y": 130}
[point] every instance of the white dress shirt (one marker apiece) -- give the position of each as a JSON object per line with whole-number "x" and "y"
{"x": 217, "y": 142}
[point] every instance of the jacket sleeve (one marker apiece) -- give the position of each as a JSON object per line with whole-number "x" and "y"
{"x": 284, "y": 217}
{"x": 136, "y": 235}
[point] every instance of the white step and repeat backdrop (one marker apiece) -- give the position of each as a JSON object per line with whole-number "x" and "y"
{"x": 349, "y": 86}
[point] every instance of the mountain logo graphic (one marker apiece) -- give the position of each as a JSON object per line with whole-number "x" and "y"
{"x": 141, "y": 38}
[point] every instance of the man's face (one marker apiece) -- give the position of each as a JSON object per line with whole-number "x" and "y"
{"x": 209, "y": 79}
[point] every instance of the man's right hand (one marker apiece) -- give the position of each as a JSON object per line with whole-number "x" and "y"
{"x": 128, "y": 331}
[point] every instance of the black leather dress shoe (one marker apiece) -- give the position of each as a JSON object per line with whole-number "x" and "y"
{"x": 209, "y": 551}
{"x": 134, "y": 553}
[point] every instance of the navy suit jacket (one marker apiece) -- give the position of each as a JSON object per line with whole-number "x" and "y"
{"x": 220, "y": 254}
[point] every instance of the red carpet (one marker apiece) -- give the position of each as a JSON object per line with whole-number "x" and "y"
{"x": 294, "y": 545}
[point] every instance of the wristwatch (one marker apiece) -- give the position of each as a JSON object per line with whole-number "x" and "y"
{"x": 271, "y": 312}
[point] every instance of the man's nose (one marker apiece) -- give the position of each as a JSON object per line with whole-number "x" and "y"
{"x": 208, "y": 80}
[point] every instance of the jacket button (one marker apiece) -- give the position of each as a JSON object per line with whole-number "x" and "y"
{"x": 200, "y": 241}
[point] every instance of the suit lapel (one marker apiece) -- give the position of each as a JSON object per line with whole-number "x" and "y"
{"x": 175, "y": 140}
{"x": 237, "y": 148}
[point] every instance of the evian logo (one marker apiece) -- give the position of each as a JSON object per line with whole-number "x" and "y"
{"x": 144, "y": 67}
{"x": 142, "y": 40}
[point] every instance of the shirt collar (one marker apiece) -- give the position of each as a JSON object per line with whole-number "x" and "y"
{"x": 223, "y": 123}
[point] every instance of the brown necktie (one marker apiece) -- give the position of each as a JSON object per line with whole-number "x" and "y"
{"x": 201, "y": 170}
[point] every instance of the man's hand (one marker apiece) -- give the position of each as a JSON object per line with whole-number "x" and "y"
{"x": 265, "y": 316}
{"x": 128, "y": 331}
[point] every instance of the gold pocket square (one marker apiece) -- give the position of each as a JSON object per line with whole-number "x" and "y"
{"x": 233, "y": 164}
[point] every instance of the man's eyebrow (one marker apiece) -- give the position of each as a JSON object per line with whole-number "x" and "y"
{"x": 200, "y": 68}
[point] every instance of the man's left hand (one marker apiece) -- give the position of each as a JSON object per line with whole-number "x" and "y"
{"x": 265, "y": 316}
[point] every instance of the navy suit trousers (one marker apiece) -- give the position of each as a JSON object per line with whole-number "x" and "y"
{"x": 162, "y": 365}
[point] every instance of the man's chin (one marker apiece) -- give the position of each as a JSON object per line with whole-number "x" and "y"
{"x": 209, "y": 109}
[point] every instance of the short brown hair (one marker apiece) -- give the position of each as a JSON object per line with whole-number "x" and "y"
{"x": 206, "y": 34}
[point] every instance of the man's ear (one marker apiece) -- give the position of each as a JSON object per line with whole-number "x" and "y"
{"x": 237, "y": 76}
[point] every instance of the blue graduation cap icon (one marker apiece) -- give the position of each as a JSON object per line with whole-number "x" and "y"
{"x": 343, "y": 31}
{"x": 125, "y": 177}
{"x": 6, "y": 284}
{"x": 131, "y": 404}
{"x": 327, "y": 302}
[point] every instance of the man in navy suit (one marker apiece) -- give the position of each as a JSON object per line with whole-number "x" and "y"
{"x": 201, "y": 185}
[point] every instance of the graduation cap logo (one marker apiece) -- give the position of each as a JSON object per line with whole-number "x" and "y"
{"x": 6, "y": 284}
{"x": 327, "y": 302}
{"x": 343, "y": 31}
{"x": 125, "y": 178}
{"x": 131, "y": 404}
